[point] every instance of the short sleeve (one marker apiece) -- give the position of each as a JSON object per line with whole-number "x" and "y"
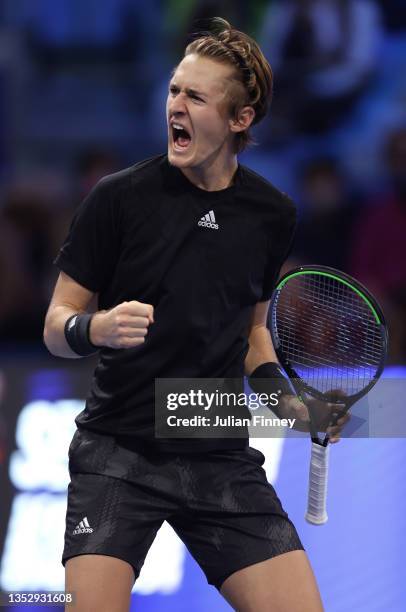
{"x": 90, "y": 251}
{"x": 281, "y": 238}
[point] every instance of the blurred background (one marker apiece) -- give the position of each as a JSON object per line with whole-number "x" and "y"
{"x": 82, "y": 94}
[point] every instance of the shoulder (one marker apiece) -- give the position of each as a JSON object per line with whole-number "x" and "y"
{"x": 115, "y": 193}
{"x": 143, "y": 174}
{"x": 272, "y": 199}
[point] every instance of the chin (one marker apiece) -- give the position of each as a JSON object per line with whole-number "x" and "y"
{"x": 178, "y": 160}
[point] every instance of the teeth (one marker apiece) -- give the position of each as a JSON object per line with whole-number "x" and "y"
{"x": 177, "y": 126}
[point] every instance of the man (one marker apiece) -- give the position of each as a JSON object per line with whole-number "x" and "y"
{"x": 182, "y": 252}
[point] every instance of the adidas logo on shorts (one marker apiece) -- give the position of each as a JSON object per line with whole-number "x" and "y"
{"x": 82, "y": 527}
{"x": 208, "y": 220}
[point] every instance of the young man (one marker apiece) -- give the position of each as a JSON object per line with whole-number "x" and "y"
{"x": 182, "y": 252}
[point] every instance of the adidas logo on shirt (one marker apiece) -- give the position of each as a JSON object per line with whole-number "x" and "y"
{"x": 82, "y": 527}
{"x": 208, "y": 220}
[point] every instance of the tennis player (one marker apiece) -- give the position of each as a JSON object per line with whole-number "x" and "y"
{"x": 181, "y": 253}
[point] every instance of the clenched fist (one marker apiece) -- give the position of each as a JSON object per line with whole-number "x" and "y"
{"x": 124, "y": 326}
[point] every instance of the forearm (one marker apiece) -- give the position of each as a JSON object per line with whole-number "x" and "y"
{"x": 289, "y": 406}
{"x": 54, "y": 331}
{"x": 260, "y": 350}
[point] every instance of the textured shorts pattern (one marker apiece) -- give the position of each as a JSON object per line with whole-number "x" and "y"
{"x": 219, "y": 503}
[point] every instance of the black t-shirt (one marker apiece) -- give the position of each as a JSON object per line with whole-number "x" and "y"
{"x": 203, "y": 259}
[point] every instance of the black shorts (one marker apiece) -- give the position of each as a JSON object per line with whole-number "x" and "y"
{"x": 220, "y": 504}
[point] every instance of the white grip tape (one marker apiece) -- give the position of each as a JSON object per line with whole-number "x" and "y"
{"x": 318, "y": 477}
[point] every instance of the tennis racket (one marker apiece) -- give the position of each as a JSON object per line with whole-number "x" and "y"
{"x": 330, "y": 336}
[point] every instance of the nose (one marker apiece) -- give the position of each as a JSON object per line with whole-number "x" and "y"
{"x": 177, "y": 105}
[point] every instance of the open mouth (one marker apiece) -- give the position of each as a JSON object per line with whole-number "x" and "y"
{"x": 181, "y": 137}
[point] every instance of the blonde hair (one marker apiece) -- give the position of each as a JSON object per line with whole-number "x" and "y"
{"x": 252, "y": 71}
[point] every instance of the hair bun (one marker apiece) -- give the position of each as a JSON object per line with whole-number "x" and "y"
{"x": 220, "y": 28}
{"x": 221, "y": 42}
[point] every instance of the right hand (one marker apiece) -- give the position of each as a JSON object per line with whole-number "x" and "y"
{"x": 124, "y": 326}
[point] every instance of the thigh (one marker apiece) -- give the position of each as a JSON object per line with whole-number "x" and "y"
{"x": 99, "y": 583}
{"x": 285, "y": 583}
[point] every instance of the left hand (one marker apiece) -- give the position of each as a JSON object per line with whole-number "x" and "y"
{"x": 322, "y": 414}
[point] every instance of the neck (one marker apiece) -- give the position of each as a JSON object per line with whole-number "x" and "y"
{"x": 213, "y": 176}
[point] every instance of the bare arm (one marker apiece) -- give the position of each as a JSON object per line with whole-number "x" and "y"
{"x": 124, "y": 326}
{"x": 261, "y": 349}
{"x": 68, "y": 299}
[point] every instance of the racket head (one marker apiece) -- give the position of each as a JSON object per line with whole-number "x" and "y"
{"x": 329, "y": 332}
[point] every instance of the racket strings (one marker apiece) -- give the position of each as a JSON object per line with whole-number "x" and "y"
{"x": 347, "y": 341}
{"x": 328, "y": 333}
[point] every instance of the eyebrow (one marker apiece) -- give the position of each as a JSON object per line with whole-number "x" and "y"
{"x": 194, "y": 92}
{"x": 189, "y": 90}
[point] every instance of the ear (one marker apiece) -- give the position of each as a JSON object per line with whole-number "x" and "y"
{"x": 243, "y": 121}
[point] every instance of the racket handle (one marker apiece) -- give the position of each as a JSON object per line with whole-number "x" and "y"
{"x": 318, "y": 477}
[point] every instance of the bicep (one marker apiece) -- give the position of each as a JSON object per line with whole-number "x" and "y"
{"x": 261, "y": 349}
{"x": 71, "y": 294}
{"x": 260, "y": 314}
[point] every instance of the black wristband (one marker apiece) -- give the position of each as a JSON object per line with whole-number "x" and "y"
{"x": 77, "y": 334}
{"x": 269, "y": 378}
